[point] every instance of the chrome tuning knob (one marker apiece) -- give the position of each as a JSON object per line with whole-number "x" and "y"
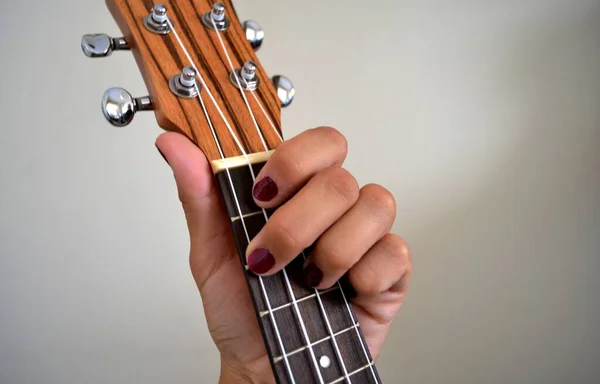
{"x": 254, "y": 33}
{"x": 119, "y": 107}
{"x": 285, "y": 89}
{"x": 102, "y": 45}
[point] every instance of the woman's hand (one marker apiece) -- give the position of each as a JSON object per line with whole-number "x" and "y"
{"x": 319, "y": 201}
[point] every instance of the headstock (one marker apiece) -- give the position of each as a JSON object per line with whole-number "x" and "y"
{"x": 204, "y": 79}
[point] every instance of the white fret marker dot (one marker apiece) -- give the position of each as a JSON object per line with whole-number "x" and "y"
{"x": 325, "y": 362}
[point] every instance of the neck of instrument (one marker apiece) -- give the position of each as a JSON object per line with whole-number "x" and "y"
{"x": 311, "y": 336}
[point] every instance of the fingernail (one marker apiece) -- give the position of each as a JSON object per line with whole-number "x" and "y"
{"x": 261, "y": 261}
{"x": 347, "y": 287}
{"x": 162, "y": 154}
{"x": 312, "y": 275}
{"x": 265, "y": 190}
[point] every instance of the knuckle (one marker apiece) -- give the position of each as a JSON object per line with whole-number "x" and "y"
{"x": 398, "y": 249}
{"x": 380, "y": 199}
{"x": 343, "y": 183}
{"x": 287, "y": 161}
{"x": 331, "y": 258}
{"x": 286, "y": 237}
{"x": 365, "y": 281}
{"x": 333, "y": 137}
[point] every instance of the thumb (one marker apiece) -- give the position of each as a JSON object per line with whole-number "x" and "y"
{"x": 210, "y": 234}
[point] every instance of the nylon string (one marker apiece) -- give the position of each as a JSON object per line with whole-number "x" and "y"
{"x": 285, "y": 274}
{"x": 354, "y": 321}
{"x": 237, "y": 204}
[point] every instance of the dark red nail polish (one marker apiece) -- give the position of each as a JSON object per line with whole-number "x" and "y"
{"x": 261, "y": 261}
{"x": 347, "y": 287}
{"x": 162, "y": 154}
{"x": 312, "y": 275}
{"x": 265, "y": 190}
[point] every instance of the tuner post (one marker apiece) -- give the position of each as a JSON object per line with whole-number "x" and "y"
{"x": 245, "y": 78}
{"x": 157, "y": 21}
{"x": 184, "y": 84}
{"x": 216, "y": 18}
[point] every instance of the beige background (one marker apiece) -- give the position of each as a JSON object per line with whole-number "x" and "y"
{"x": 483, "y": 118}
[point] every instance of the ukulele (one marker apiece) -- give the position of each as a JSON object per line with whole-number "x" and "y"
{"x": 206, "y": 82}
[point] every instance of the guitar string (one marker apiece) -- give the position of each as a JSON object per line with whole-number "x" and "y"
{"x": 266, "y": 115}
{"x": 355, "y": 322}
{"x": 267, "y": 301}
{"x": 285, "y": 274}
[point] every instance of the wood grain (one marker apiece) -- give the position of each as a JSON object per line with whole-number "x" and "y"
{"x": 160, "y": 57}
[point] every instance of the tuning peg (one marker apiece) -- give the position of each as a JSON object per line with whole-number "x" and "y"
{"x": 254, "y": 33}
{"x": 119, "y": 106}
{"x": 285, "y": 89}
{"x": 102, "y": 45}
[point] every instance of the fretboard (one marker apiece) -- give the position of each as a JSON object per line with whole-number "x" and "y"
{"x": 311, "y": 336}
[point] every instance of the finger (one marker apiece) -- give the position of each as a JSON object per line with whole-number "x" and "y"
{"x": 377, "y": 285}
{"x": 385, "y": 269}
{"x": 209, "y": 230}
{"x": 295, "y": 162}
{"x": 299, "y": 222}
{"x": 342, "y": 245}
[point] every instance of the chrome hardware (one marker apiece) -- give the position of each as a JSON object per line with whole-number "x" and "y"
{"x": 254, "y": 33}
{"x": 102, "y": 45}
{"x": 119, "y": 106}
{"x": 216, "y": 18}
{"x": 184, "y": 84}
{"x": 245, "y": 77}
{"x": 285, "y": 90}
{"x": 156, "y": 21}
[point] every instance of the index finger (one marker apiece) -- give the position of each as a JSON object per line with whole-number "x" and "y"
{"x": 295, "y": 162}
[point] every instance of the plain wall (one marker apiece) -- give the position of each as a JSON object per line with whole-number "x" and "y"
{"x": 482, "y": 117}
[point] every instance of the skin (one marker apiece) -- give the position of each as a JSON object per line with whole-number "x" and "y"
{"x": 318, "y": 201}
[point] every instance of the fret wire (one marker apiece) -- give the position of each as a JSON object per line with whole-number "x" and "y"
{"x": 369, "y": 365}
{"x": 263, "y": 313}
{"x": 282, "y": 347}
{"x": 289, "y": 286}
{"x": 326, "y": 338}
{"x": 246, "y": 216}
